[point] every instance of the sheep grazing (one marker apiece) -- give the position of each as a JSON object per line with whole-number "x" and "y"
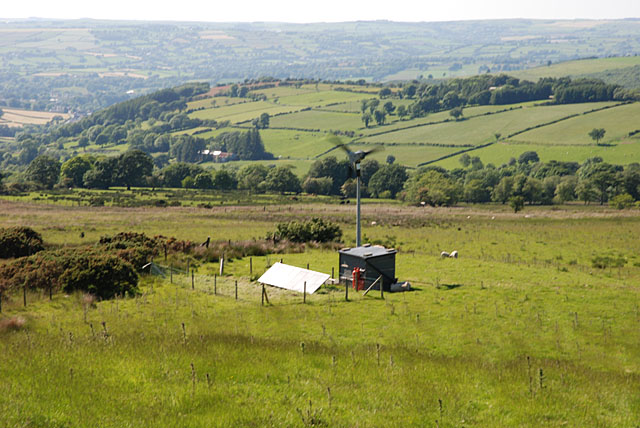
{"x": 454, "y": 254}
{"x": 444, "y": 254}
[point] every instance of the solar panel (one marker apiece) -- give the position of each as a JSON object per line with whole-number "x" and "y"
{"x": 293, "y": 278}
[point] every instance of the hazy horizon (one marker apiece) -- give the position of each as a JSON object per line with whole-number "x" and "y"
{"x": 289, "y": 11}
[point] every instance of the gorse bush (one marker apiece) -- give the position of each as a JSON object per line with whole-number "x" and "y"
{"x": 19, "y": 242}
{"x": 86, "y": 269}
{"x": 316, "y": 229}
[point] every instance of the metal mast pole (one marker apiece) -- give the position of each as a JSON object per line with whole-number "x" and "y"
{"x": 358, "y": 241}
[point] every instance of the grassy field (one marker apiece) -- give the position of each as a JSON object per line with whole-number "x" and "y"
{"x": 322, "y": 120}
{"x": 321, "y": 99}
{"x": 242, "y": 112}
{"x": 618, "y": 122}
{"x": 621, "y": 154}
{"x": 521, "y": 330}
{"x": 294, "y": 144}
{"x": 479, "y": 130}
{"x": 576, "y": 68}
{"x": 17, "y": 117}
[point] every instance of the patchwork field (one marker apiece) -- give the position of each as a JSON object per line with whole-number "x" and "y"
{"x": 17, "y": 117}
{"x": 521, "y": 330}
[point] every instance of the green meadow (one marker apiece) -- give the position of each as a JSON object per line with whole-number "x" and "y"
{"x": 521, "y": 330}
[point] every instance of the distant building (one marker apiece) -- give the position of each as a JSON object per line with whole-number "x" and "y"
{"x": 217, "y": 156}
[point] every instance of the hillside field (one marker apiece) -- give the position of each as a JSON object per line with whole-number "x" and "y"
{"x": 301, "y": 120}
{"x": 521, "y": 330}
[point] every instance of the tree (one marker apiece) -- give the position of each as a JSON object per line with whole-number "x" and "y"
{"x": 74, "y": 170}
{"x": 203, "y": 181}
{"x": 366, "y": 118}
{"x": 390, "y": 159}
{"x": 101, "y": 175}
{"x": 384, "y": 92}
{"x": 390, "y": 178}
{"x": 252, "y": 178}
{"x": 224, "y": 180}
{"x": 434, "y": 188}
{"x": 528, "y": 157}
{"x": 516, "y": 203}
{"x": 465, "y": 160}
{"x": 503, "y": 190}
{"x": 173, "y": 174}
{"x": 389, "y": 107}
{"x": 282, "y": 179}
{"x": 317, "y": 186}
{"x": 133, "y": 168}
{"x": 261, "y": 122}
{"x": 379, "y": 116}
{"x": 456, "y": 113}
{"x": 368, "y": 167}
{"x": 44, "y": 170}
{"x": 597, "y": 134}
{"x": 586, "y": 191}
{"x": 402, "y": 111}
{"x": 476, "y": 163}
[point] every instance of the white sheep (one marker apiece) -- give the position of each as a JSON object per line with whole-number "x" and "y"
{"x": 454, "y": 254}
{"x": 444, "y": 254}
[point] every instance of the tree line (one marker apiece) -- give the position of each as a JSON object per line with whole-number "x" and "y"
{"x": 525, "y": 180}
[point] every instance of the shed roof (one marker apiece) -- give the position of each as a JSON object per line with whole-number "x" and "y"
{"x": 368, "y": 251}
{"x": 293, "y": 278}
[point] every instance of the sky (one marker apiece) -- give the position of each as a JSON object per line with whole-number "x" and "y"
{"x": 320, "y": 11}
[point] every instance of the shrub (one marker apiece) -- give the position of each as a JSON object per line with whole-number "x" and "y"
{"x": 622, "y": 201}
{"x": 604, "y": 261}
{"x": 87, "y": 269}
{"x": 19, "y": 242}
{"x": 316, "y": 229}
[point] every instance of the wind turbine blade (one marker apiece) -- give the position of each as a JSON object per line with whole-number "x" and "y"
{"x": 373, "y": 150}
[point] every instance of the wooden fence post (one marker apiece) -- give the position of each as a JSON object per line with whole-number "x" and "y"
{"x": 24, "y": 294}
{"x": 222, "y": 265}
{"x": 215, "y": 284}
{"x": 262, "y": 296}
{"x": 382, "y": 289}
{"x": 307, "y": 266}
{"x": 250, "y": 266}
{"x": 236, "y": 289}
{"x": 193, "y": 285}
{"x": 346, "y": 291}
{"x": 332, "y": 268}
{"x": 304, "y": 293}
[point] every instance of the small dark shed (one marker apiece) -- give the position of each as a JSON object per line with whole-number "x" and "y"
{"x": 376, "y": 261}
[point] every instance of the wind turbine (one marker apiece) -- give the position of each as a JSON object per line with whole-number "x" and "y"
{"x": 354, "y": 159}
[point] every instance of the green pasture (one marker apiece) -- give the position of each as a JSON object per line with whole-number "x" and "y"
{"x": 322, "y": 120}
{"x": 213, "y": 102}
{"x": 294, "y": 144}
{"x": 521, "y": 330}
{"x": 409, "y": 155}
{"x": 283, "y": 91}
{"x": 618, "y": 122}
{"x": 241, "y": 112}
{"x": 576, "y": 68}
{"x": 321, "y": 99}
{"x": 480, "y": 130}
{"x": 500, "y": 153}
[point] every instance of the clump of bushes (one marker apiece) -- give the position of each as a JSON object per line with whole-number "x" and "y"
{"x": 314, "y": 230}
{"x": 86, "y": 269}
{"x": 604, "y": 261}
{"x": 19, "y": 242}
